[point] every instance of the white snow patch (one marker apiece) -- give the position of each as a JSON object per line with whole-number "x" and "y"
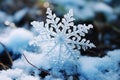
{"x": 39, "y": 60}
{"x": 51, "y": 78}
{"x": 16, "y": 40}
{"x": 16, "y": 74}
{"x": 91, "y": 68}
{"x": 105, "y": 68}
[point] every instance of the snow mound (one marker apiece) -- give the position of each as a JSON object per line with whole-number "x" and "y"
{"x": 106, "y": 68}
{"x": 15, "y": 74}
{"x": 16, "y": 40}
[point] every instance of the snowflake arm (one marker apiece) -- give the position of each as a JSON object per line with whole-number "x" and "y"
{"x": 83, "y": 29}
{"x": 76, "y": 40}
{"x": 83, "y": 44}
{"x": 67, "y": 21}
{"x": 52, "y": 22}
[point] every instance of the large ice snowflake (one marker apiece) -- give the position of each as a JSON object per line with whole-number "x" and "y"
{"x": 67, "y": 37}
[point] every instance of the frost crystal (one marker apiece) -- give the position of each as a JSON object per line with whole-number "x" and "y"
{"x": 67, "y": 37}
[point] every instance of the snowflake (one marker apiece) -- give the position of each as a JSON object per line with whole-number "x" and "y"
{"x": 67, "y": 37}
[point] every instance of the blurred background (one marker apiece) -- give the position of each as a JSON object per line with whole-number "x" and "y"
{"x": 103, "y": 14}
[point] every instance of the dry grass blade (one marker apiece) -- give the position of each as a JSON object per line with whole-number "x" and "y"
{"x": 10, "y": 58}
{"x": 3, "y": 66}
{"x": 41, "y": 69}
{"x": 30, "y": 62}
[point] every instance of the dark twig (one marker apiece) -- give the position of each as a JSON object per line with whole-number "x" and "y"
{"x": 4, "y": 66}
{"x": 11, "y": 61}
{"x": 41, "y": 69}
{"x": 30, "y": 62}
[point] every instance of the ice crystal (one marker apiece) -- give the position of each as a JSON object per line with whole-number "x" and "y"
{"x": 67, "y": 37}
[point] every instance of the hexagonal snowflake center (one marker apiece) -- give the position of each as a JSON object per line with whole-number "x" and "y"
{"x": 60, "y": 39}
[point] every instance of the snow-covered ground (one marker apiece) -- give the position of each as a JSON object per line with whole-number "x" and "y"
{"x": 91, "y": 68}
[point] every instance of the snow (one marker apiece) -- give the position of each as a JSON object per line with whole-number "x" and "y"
{"x": 101, "y": 7}
{"x": 91, "y": 68}
{"x": 16, "y": 40}
{"x": 15, "y": 74}
{"x": 13, "y": 18}
{"x": 29, "y": 78}
{"x": 114, "y": 55}
{"x": 4, "y": 17}
{"x": 82, "y": 9}
{"x": 105, "y": 68}
{"x": 106, "y": 10}
{"x": 51, "y": 78}
{"x": 85, "y": 10}
{"x": 40, "y": 60}
{"x": 20, "y": 14}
